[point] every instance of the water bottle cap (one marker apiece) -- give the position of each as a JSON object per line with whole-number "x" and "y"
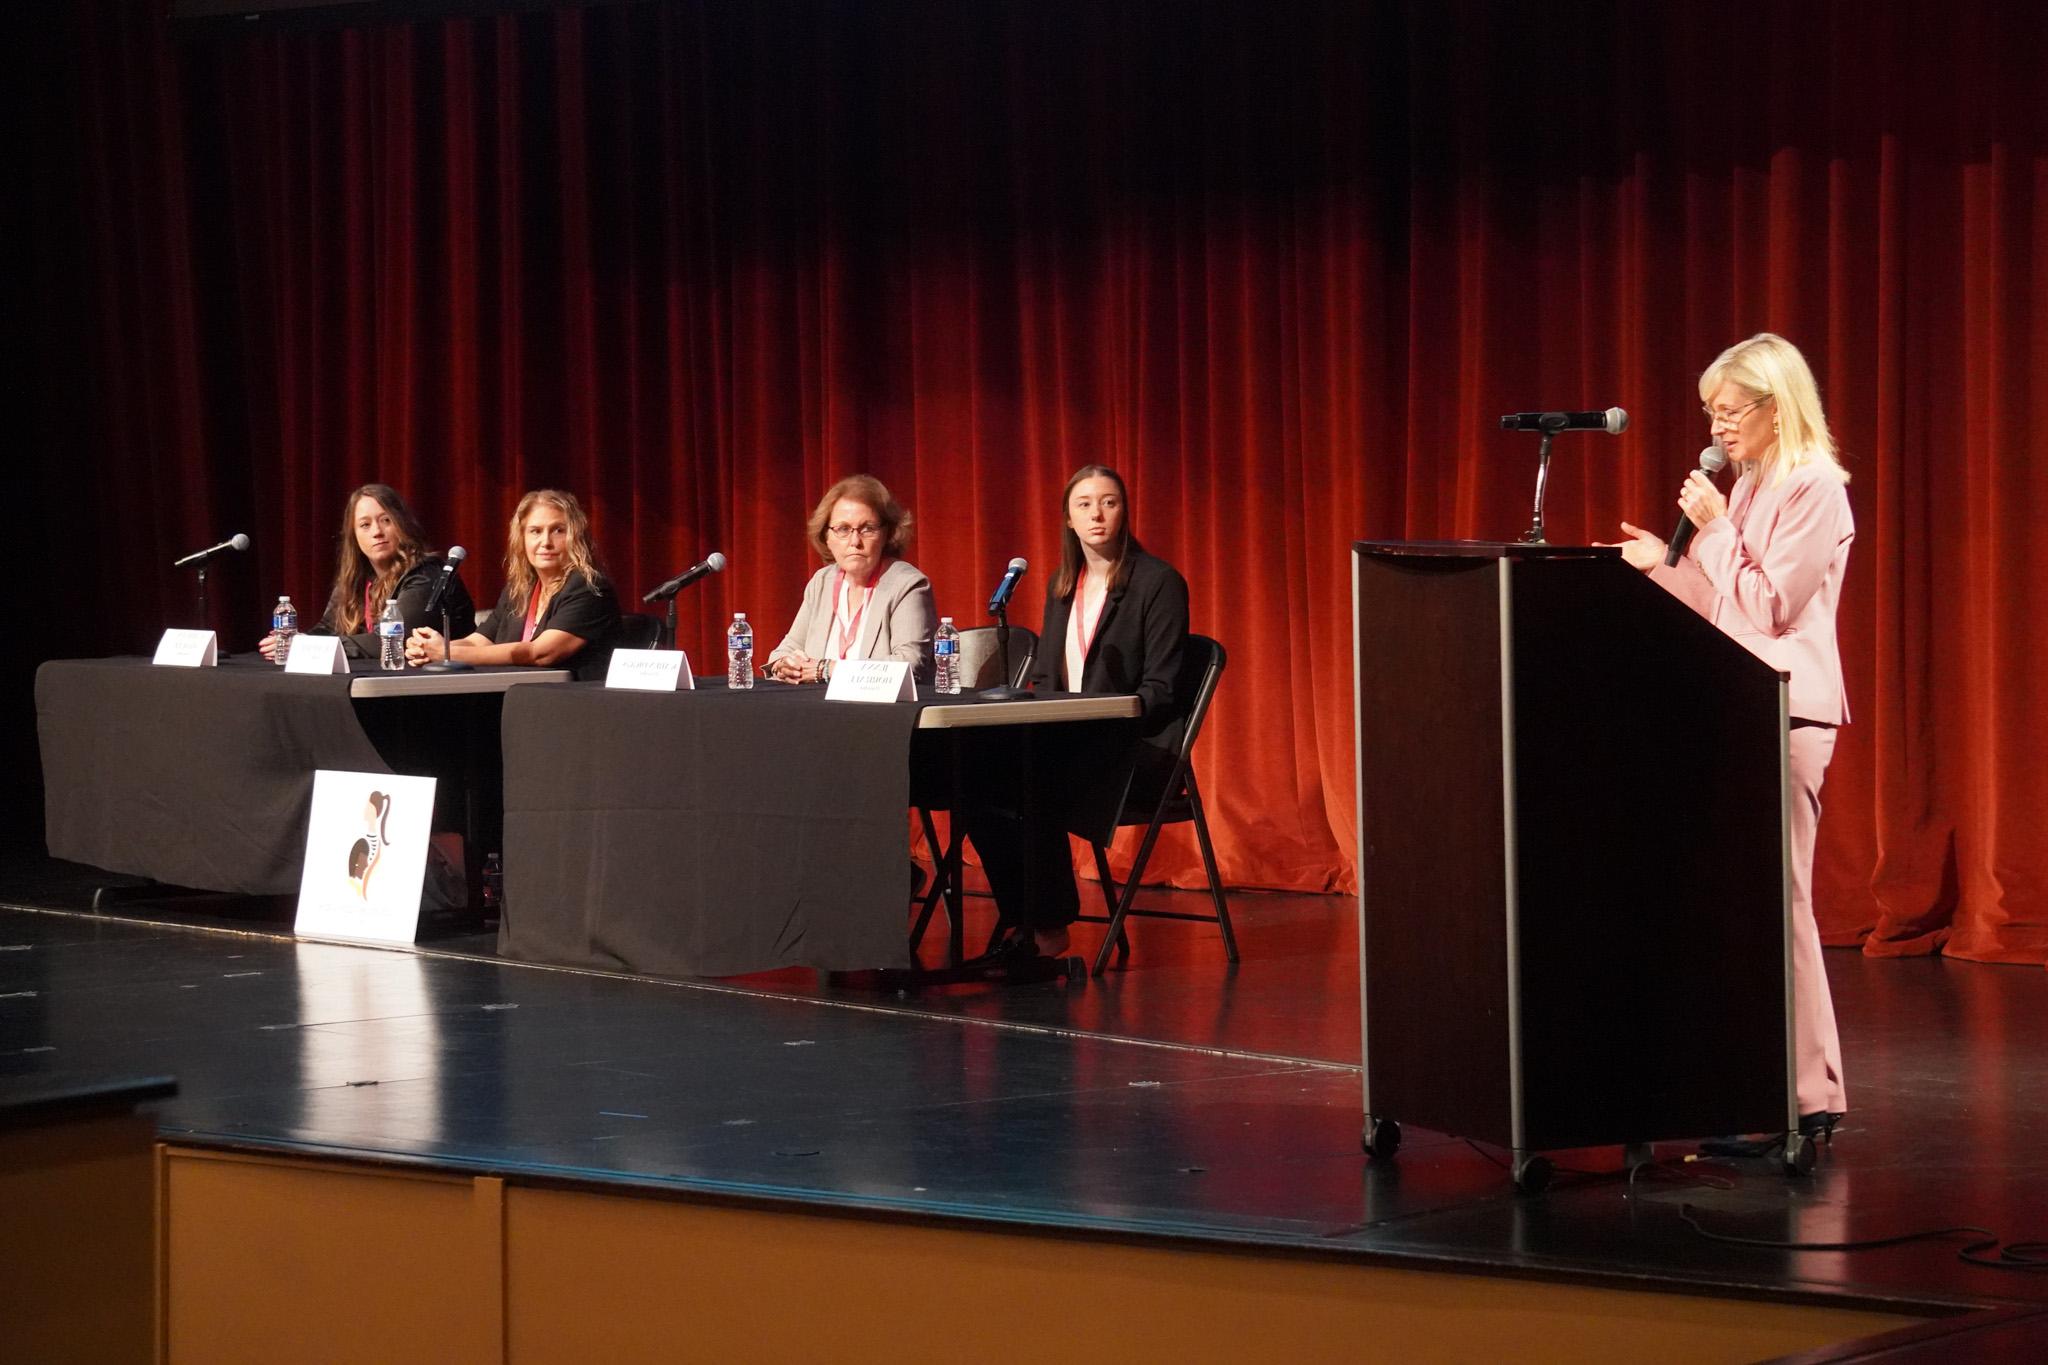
{"x": 283, "y": 601}
{"x": 739, "y": 616}
{"x": 945, "y": 620}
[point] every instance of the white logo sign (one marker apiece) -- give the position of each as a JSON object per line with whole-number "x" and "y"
{"x": 871, "y": 680}
{"x": 316, "y": 654}
{"x": 366, "y": 856}
{"x": 651, "y": 670}
{"x": 187, "y": 649}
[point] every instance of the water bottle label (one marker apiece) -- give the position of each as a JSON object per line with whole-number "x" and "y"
{"x": 946, "y": 647}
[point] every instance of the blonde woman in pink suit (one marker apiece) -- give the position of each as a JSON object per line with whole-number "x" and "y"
{"x": 1766, "y": 566}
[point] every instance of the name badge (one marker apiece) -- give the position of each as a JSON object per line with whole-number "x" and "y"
{"x": 871, "y": 680}
{"x": 650, "y": 670}
{"x": 187, "y": 649}
{"x": 319, "y": 655}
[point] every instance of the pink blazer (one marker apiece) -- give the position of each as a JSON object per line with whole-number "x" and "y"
{"x": 1769, "y": 573}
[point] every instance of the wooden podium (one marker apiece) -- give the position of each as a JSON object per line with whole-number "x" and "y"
{"x": 1573, "y": 896}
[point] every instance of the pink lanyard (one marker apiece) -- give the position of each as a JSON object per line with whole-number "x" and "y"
{"x": 849, "y": 633}
{"x": 532, "y": 614}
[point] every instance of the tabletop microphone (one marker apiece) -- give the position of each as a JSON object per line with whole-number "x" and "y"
{"x": 1713, "y": 459}
{"x": 711, "y": 564}
{"x": 1614, "y": 421}
{"x": 456, "y": 554}
{"x": 1001, "y": 597}
{"x": 237, "y": 541}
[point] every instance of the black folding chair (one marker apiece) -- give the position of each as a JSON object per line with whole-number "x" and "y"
{"x": 1180, "y": 801}
{"x": 980, "y": 666}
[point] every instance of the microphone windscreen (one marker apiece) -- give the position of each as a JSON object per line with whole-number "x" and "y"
{"x": 239, "y": 540}
{"x": 1617, "y": 421}
{"x": 715, "y": 562}
{"x": 456, "y": 554}
{"x": 1714, "y": 459}
{"x": 1019, "y": 564}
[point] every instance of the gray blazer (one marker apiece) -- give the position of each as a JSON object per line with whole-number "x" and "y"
{"x": 898, "y": 625}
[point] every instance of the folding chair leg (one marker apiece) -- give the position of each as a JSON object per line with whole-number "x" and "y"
{"x": 1130, "y": 893}
{"x": 1209, "y": 867}
{"x": 1107, "y": 880}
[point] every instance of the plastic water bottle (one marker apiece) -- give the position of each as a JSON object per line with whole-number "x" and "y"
{"x": 391, "y": 638}
{"x": 284, "y": 624}
{"x": 946, "y": 650}
{"x": 739, "y": 653}
{"x": 493, "y": 886}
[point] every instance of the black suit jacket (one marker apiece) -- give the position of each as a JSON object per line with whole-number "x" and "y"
{"x": 413, "y": 591}
{"x": 1137, "y": 648}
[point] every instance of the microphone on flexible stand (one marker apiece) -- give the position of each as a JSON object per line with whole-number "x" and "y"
{"x": 1613, "y": 421}
{"x": 710, "y": 564}
{"x": 438, "y": 605}
{"x": 1712, "y": 460}
{"x": 200, "y": 561}
{"x": 999, "y": 607}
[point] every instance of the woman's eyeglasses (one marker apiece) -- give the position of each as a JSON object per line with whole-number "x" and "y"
{"x": 867, "y": 530}
{"x": 1730, "y": 416}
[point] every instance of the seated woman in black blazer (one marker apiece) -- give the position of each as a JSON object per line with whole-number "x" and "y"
{"x": 556, "y": 610}
{"x": 384, "y": 558}
{"x": 1116, "y": 620}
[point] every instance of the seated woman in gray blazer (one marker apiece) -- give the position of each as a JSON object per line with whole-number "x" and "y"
{"x": 867, "y": 602}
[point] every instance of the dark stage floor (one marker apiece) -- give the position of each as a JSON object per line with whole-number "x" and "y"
{"x": 1177, "y": 1098}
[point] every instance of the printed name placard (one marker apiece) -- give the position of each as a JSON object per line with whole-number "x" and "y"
{"x": 871, "y": 680}
{"x": 366, "y": 856}
{"x": 187, "y": 649}
{"x": 316, "y": 654}
{"x": 650, "y": 670}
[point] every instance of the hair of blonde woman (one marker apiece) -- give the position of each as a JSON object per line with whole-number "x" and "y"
{"x": 519, "y": 574}
{"x": 353, "y": 572}
{"x": 1768, "y": 366}
{"x": 868, "y": 491}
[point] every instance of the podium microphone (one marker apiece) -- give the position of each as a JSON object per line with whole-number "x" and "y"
{"x": 237, "y": 541}
{"x": 711, "y": 564}
{"x": 1001, "y": 597}
{"x": 1614, "y": 421}
{"x": 456, "y": 554}
{"x": 1713, "y": 459}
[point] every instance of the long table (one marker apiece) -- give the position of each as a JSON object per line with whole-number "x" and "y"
{"x": 203, "y": 777}
{"x": 719, "y": 832}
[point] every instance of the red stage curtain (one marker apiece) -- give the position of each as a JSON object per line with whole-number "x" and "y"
{"x": 1282, "y": 264}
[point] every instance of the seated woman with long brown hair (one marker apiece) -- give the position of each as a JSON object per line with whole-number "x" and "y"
{"x": 557, "y": 609}
{"x": 383, "y": 558}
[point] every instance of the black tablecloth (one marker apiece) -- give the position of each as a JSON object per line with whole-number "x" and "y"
{"x": 203, "y": 777}
{"x": 707, "y": 832}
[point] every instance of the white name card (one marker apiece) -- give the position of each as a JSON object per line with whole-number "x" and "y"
{"x": 871, "y": 680}
{"x": 187, "y": 649}
{"x": 651, "y": 670}
{"x": 366, "y": 857}
{"x": 316, "y": 654}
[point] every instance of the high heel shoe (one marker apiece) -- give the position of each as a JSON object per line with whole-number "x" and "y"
{"x": 1821, "y": 1124}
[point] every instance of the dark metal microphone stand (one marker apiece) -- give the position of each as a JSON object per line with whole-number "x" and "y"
{"x": 1004, "y": 690}
{"x": 1534, "y": 535}
{"x": 445, "y": 664}
{"x": 205, "y": 616}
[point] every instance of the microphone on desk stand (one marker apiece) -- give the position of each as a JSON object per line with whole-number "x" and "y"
{"x": 999, "y": 607}
{"x": 200, "y": 560}
{"x": 703, "y": 568}
{"x": 439, "y": 603}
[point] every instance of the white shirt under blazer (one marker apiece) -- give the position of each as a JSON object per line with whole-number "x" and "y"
{"x": 897, "y": 623}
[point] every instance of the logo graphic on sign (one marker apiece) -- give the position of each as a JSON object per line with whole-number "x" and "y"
{"x": 366, "y": 856}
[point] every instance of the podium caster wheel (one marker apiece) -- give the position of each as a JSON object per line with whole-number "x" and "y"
{"x": 1532, "y": 1174}
{"x": 1800, "y": 1154}
{"x": 1382, "y": 1139}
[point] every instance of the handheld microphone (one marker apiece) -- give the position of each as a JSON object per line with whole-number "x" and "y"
{"x": 711, "y": 564}
{"x": 237, "y": 541}
{"x": 1614, "y": 421}
{"x": 1001, "y": 597}
{"x": 456, "y": 554}
{"x": 1712, "y": 460}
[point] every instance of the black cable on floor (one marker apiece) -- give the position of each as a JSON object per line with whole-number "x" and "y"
{"x": 2010, "y": 1256}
